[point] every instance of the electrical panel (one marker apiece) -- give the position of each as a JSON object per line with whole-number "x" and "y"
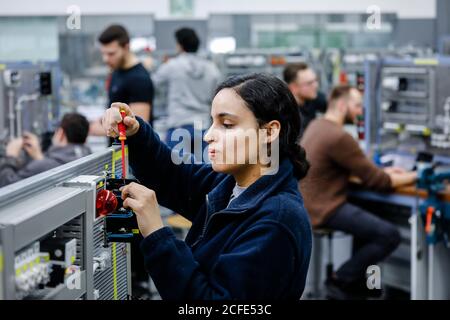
{"x": 29, "y": 99}
{"x": 408, "y": 99}
{"x": 54, "y": 244}
{"x": 32, "y": 270}
{"x": 44, "y": 265}
{"x": 407, "y": 105}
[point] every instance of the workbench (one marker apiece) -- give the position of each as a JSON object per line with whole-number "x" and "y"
{"x": 426, "y": 266}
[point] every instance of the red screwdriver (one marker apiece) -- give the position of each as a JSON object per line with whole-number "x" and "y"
{"x": 122, "y": 138}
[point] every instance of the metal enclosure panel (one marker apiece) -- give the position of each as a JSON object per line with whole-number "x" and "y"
{"x": 34, "y": 207}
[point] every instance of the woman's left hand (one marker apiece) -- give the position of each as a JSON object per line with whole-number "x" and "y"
{"x": 143, "y": 202}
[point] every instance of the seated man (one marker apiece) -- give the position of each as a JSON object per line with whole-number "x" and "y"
{"x": 334, "y": 156}
{"x": 67, "y": 145}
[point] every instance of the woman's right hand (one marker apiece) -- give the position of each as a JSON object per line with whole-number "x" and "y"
{"x": 112, "y": 117}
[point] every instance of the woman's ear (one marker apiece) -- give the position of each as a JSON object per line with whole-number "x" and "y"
{"x": 272, "y": 131}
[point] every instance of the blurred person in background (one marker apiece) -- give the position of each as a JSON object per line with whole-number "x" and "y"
{"x": 335, "y": 157}
{"x": 303, "y": 83}
{"x": 191, "y": 83}
{"x": 129, "y": 81}
{"x": 68, "y": 144}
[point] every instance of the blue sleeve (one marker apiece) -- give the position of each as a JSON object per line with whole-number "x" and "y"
{"x": 179, "y": 187}
{"x": 260, "y": 264}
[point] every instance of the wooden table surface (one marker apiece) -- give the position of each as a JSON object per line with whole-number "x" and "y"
{"x": 411, "y": 191}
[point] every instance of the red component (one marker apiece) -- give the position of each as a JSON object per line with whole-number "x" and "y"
{"x": 343, "y": 79}
{"x": 360, "y": 127}
{"x": 122, "y": 128}
{"x": 105, "y": 203}
{"x": 123, "y": 159}
{"x": 429, "y": 219}
{"x": 122, "y": 138}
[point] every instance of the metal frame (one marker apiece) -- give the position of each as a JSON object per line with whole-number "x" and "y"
{"x": 426, "y": 262}
{"x": 33, "y": 218}
{"x": 36, "y": 206}
{"x": 42, "y": 110}
{"x": 373, "y": 94}
{"x": 429, "y": 264}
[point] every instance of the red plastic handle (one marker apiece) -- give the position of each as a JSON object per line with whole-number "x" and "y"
{"x": 122, "y": 128}
{"x": 429, "y": 219}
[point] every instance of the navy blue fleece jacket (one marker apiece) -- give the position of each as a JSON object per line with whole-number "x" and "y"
{"x": 257, "y": 248}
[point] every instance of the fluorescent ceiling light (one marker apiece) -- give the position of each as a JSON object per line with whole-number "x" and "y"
{"x": 222, "y": 45}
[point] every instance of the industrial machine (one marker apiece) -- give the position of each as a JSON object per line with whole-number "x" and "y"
{"x": 56, "y": 240}
{"x": 406, "y": 108}
{"x": 29, "y": 100}
{"x": 353, "y": 61}
{"x": 434, "y": 211}
{"x": 406, "y": 105}
{"x": 435, "y": 228}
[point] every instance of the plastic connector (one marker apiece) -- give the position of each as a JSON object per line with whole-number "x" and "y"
{"x": 103, "y": 261}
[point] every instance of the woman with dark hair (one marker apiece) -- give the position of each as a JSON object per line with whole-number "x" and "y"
{"x": 250, "y": 235}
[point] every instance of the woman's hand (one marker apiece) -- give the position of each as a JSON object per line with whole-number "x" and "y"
{"x": 112, "y": 117}
{"x": 143, "y": 202}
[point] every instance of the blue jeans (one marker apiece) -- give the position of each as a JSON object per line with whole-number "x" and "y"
{"x": 183, "y": 141}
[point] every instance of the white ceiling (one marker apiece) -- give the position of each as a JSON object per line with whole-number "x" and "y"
{"x": 203, "y": 8}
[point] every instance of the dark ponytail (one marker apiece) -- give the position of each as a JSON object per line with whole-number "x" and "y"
{"x": 269, "y": 99}
{"x": 298, "y": 157}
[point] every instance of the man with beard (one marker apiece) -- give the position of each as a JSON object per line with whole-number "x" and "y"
{"x": 335, "y": 156}
{"x": 129, "y": 81}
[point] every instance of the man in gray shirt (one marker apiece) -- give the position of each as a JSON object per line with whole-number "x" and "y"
{"x": 191, "y": 83}
{"x": 67, "y": 145}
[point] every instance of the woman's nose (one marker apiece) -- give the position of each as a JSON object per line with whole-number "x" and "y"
{"x": 208, "y": 137}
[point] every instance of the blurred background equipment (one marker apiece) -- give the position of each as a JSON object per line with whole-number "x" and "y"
{"x": 29, "y": 100}
{"x": 405, "y": 113}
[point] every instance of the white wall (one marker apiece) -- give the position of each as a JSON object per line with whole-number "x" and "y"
{"x": 407, "y": 9}
{"x": 38, "y": 39}
{"x": 404, "y": 8}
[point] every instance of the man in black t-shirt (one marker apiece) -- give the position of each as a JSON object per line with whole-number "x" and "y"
{"x": 302, "y": 81}
{"x": 310, "y": 108}
{"x": 134, "y": 87}
{"x": 129, "y": 81}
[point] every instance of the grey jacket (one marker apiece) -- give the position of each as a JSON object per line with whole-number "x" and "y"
{"x": 13, "y": 170}
{"x": 191, "y": 83}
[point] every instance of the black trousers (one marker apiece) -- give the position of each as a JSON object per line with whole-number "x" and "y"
{"x": 373, "y": 240}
